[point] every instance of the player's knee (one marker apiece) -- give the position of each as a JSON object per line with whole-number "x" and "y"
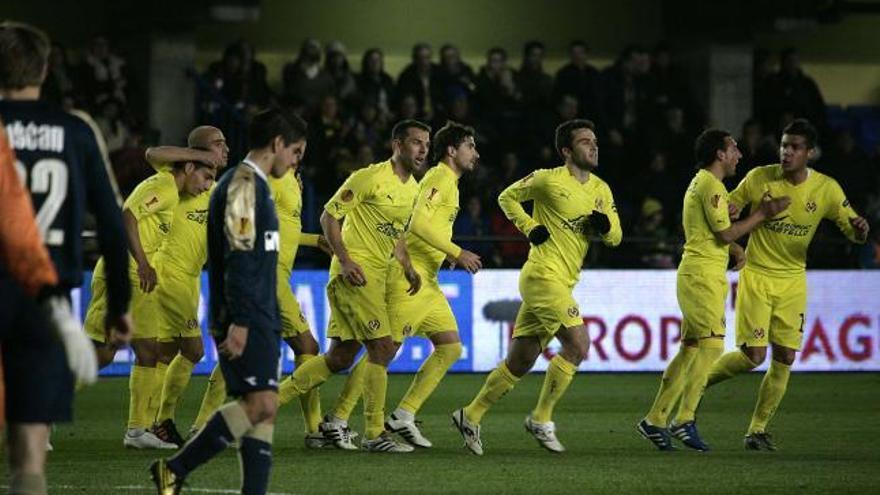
{"x": 756, "y": 355}
{"x": 784, "y": 355}
{"x": 381, "y": 351}
{"x": 193, "y": 351}
{"x": 261, "y": 407}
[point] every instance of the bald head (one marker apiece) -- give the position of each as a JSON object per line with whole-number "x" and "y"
{"x": 209, "y": 138}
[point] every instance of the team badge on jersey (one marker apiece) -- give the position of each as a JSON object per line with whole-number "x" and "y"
{"x": 759, "y": 333}
{"x": 600, "y": 203}
{"x": 573, "y": 311}
{"x": 374, "y": 324}
{"x": 407, "y": 330}
{"x": 811, "y": 206}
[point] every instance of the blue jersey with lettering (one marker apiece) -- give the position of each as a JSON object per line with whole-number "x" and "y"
{"x": 62, "y": 163}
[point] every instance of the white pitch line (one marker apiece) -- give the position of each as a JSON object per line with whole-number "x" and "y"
{"x": 145, "y": 487}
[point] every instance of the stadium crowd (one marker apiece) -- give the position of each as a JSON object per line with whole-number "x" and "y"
{"x": 645, "y": 110}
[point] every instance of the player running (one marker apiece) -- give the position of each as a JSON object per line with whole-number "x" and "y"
{"x": 570, "y": 204}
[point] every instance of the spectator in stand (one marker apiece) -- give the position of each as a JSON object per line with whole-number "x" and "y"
{"x": 658, "y": 183}
{"x": 654, "y": 247}
{"x": 454, "y": 75}
{"x": 408, "y": 108}
{"x": 329, "y": 133}
{"x": 304, "y": 80}
{"x": 59, "y": 88}
{"x": 757, "y": 149}
{"x": 540, "y": 143}
{"x": 369, "y": 127}
{"x": 581, "y": 80}
{"x": 365, "y": 156}
{"x": 336, "y": 64}
{"x": 534, "y": 84}
{"x": 420, "y": 79}
{"x": 670, "y": 87}
{"x": 792, "y": 89}
{"x": 497, "y": 96}
{"x": 851, "y": 166}
{"x": 675, "y": 137}
{"x": 627, "y": 95}
{"x": 257, "y": 91}
{"x": 103, "y": 74}
{"x": 226, "y": 76}
{"x": 112, "y": 124}
{"x": 763, "y": 74}
{"x": 474, "y": 223}
{"x": 375, "y": 86}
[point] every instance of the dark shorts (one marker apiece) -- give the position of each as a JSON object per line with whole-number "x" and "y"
{"x": 258, "y": 368}
{"x": 39, "y": 385}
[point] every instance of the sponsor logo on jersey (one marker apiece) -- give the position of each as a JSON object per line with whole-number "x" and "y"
{"x": 388, "y": 229}
{"x": 198, "y": 216}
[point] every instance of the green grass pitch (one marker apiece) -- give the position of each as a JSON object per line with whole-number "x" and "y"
{"x": 827, "y": 430}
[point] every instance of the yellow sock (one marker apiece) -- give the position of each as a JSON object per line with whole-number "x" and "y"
{"x": 311, "y": 374}
{"x": 177, "y": 378}
{"x": 351, "y": 391}
{"x": 708, "y": 351}
{"x": 139, "y": 386}
{"x": 671, "y": 385}
{"x": 770, "y": 395}
{"x": 310, "y": 402}
{"x": 498, "y": 383}
{"x": 729, "y": 365}
{"x": 375, "y": 386}
{"x": 429, "y": 375}
{"x": 156, "y": 391}
{"x": 214, "y": 397}
{"x": 556, "y": 380}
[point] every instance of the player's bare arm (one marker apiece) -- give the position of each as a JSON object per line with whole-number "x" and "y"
{"x": 352, "y": 272}
{"x": 146, "y": 273}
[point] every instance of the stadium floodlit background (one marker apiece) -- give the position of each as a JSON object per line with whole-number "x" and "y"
{"x": 652, "y": 74}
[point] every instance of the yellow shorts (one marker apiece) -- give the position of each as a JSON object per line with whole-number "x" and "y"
{"x": 143, "y": 307}
{"x": 547, "y": 305}
{"x": 293, "y": 321}
{"x": 770, "y": 309}
{"x": 424, "y": 314}
{"x": 177, "y": 296}
{"x": 701, "y": 299}
{"x": 358, "y": 313}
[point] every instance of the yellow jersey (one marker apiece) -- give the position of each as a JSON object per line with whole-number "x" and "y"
{"x": 186, "y": 246}
{"x": 704, "y": 213}
{"x": 152, "y": 203}
{"x": 562, "y": 204}
{"x": 376, "y": 206}
{"x": 429, "y": 239}
{"x": 287, "y": 195}
{"x": 779, "y": 246}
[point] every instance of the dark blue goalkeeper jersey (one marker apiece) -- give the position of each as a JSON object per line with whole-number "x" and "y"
{"x": 62, "y": 164}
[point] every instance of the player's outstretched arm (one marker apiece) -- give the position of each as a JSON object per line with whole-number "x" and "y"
{"x": 768, "y": 208}
{"x": 159, "y": 156}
